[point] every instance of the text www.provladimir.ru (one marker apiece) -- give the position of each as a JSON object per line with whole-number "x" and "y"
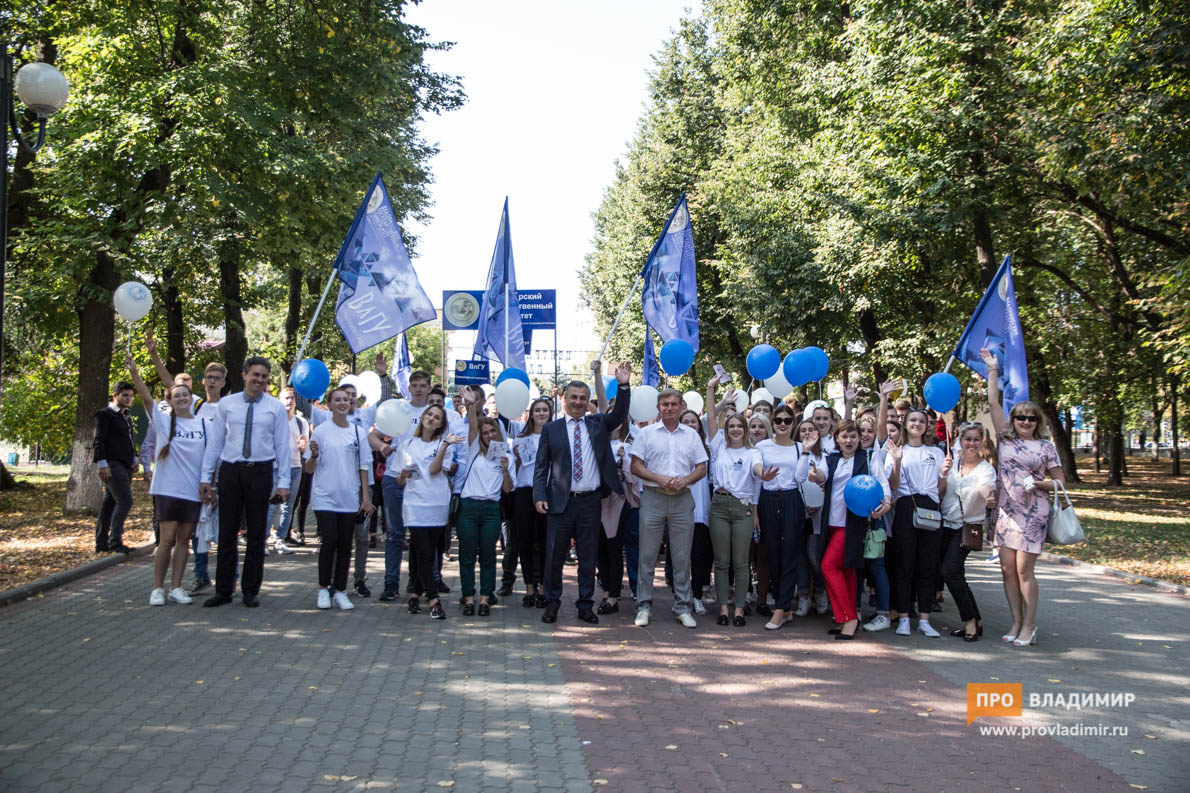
{"x": 1055, "y": 730}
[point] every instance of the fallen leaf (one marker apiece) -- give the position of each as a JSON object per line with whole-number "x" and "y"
{"x": 1139, "y": 787}
{"x": 724, "y": 727}
{"x": 729, "y": 721}
{"x": 723, "y": 754}
{"x": 1151, "y": 737}
{"x": 551, "y": 664}
{"x": 923, "y": 713}
{"x": 331, "y": 777}
{"x": 873, "y": 710}
{"x": 348, "y": 778}
{"x": 313, "y": 688}
{"x": 446, "y": 783}
{"x": 816, "y": 695}
{"x": 1138, "y": 751}
{"x": 672, "y": 746}
{"x": 455, "y": 652}
{"x": 836, "y": 779}
{"x": 1054, "y": 680}
{"x": 86, "y": 640}
{"x": 796, "y": 785}
{"x": 237, "y": 678}
{"x": 198, "y": 682}
{"x": 598, "y": 781}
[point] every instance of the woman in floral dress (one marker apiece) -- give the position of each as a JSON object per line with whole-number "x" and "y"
{"x": 1028, "y": 469}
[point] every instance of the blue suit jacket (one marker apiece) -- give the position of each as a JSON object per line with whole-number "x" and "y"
{"x": 552, "y": 472}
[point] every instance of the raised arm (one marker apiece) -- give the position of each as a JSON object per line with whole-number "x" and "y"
{"x": 712, "y": 420}
{"x": 619, "y": 413}
{"x": 138, "y": 382}
{"x": 994, "y": 406}
{"x": 886, "y": 388}
{"x": 163, "y": 374}
{"x": 472, "y": 419}
{"x": 600, "y": 391}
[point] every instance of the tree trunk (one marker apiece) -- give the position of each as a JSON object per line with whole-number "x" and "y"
{"x": 235, "y": 347}
{"x": 175, "y": 324}
{"x": 96, "y": 337}
{"x": 1098, "y": 442}
{"x": 1157, "y": 412}
{"x": 1115, "y": 471}
{"x": 1042, "y": 393}
{"x": 872, "y": 337}
{"x": 1174, "y": 452}
{"x": 293, "y": 318}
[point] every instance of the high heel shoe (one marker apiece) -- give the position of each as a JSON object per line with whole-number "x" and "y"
{"x": 1021, "y": 641}
{"x": 1008, "y": 638}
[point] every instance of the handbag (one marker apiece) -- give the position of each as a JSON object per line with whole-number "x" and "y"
{"x": 1064, "y": 526}
{"x": 874, "y": 543}
{"x": 924, "y": 519}
{"x": 972, "y": 538}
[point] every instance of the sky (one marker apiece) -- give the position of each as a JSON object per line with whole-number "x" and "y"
{"x": 554, "y": 92}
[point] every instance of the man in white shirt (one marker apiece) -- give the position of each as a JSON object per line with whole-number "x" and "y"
{"x": 248, "y": 441}
{"x": 668, "y": 457}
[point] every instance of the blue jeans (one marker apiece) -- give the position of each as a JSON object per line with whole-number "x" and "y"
{"x": 394, "y": 531}
{"x": 875, "y": 573}
{"x": 295, "y": 479}
{"x": 632, "y": 544}
{"x": 201, "y": 573}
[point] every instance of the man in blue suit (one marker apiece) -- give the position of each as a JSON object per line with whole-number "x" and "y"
{"x": 575, "y": 469}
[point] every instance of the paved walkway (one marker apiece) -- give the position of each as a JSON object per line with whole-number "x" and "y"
{"x": 101, "y": 692}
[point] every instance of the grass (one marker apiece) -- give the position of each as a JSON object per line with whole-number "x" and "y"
{"x": 1142, "y": 527}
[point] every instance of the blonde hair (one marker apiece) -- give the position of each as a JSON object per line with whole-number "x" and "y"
{"x": 763, "y": 419}
{"x": 1043, "y": 427}
{"x": 745, "y": 423}
{"x": 987, "y": 451}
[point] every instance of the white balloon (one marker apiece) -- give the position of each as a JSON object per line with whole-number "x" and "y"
{"x": 488, "y": 389}
{"x": 642, "y": 405}
{"x": 741, "y": 400}
{"x": 350, "y": 380}
{"x": 763, "y": 395}
{"x": 694, "y": 401}
{"x": 369, "y": 386}
{"x": 393, "y": 417}
{"x": 777, "y": 385}
{"x": 512, "y": 397}
{"x": 132, "y": 300}
{"x": 534, "y": 391}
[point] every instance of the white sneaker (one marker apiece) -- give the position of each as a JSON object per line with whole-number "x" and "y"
{"x": 903, "y": 627}
{"x": 924, "y": 627}
{"x": 687, "y": 620}
{"x": 324, "y": 598}
{"x": 751, "y": 598}
{"x": 343, "y": 602}
{"x": 157, "y": 597}
{"x": 699, "y": 608}
{"x": 642, "y": 617}
{"x": 283, "y": 548}
{"x": 178, "y": 595}
{"x": 995, "y": 557}
{"x": 878, "y": 623}
{"x": 803, "y": 607}
{"x": 821, "y": 603}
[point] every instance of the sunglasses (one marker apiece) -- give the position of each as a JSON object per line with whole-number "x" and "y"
{"x": 782, "y": 420}
{"x": 1026, "y": 419}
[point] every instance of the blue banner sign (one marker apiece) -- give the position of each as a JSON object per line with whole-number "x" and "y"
{"x": 538, "y": 309}
{"x": 472, "y": 372}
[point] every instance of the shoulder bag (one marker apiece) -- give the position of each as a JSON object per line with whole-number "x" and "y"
{"x": 1064, "y": 526}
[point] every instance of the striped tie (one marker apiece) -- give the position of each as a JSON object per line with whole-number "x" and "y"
{"x": 577, "y": 456}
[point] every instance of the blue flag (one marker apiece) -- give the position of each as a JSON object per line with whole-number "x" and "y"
{"x": 380, "y": 295}
{"x": 669, "y": 297}
{"x": 500, "y": 334}
{"x": 651, "y": 374}
{"x": 996, "y": 325}
{"x": 403, "y": 366}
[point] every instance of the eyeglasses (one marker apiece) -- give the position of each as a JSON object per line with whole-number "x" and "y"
{"x": 1026, "y": 419}
{"x": 783, "y": 420}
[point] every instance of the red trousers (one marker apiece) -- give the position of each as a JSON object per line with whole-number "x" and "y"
{"x": 840, "y": 580}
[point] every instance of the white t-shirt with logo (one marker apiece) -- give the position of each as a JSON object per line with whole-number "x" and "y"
{"x": 732, "y": 469}
{"x": 427, "y": 497}
{"x": 393, "y": 463}
{"x": 785, "y": 458}
{"x": 342, "y": 454}
{"x": 484, "y": 477}
{"x": 527, "y": 450}
{"x": 920, "y": 468}
{"x": 179, "y": 474}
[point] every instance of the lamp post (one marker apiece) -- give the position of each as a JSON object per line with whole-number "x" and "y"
{"x": 42, "y": 89}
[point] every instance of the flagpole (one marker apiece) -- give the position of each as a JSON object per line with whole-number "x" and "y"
{"x": 946, "y": 368}
{"x": 302, "y": 352}
{"x": 619, "y": 316}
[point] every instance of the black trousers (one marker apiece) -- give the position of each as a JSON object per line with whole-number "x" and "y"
{"x": 117, "y": 503}
{"x": 702, "y": 559}
{"x": 528, "y": 527}
{"x": 422, "y": 547}
{"x": 509, "y": 538}
{"x": 609, "y": 564}
{"x": 302, "y": 504}
{"x": 337, "y": 530}
{"x": 916, "y": 570}
{"x": 783, "y": 532}
{"x": 954, "y": 558}
{"x": 580, "y": 520}
{"x": 244, "y": 491}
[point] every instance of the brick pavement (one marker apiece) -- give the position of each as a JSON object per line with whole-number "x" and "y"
{"x": 99, "y": 689}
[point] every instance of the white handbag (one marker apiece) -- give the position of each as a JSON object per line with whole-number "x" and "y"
{"x": 1064, "y": 526}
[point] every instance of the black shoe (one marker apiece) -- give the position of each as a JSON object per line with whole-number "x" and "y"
{"x": 527, "y": 601}
{"x": 845, "y": 636}
{"x": 216, "y": 600}
{"x": 468, "y": 609}
{"x": 539, "y": 600}
{"x": 388, "y": 594}
{"x": 747, "y": 610}
{"x": 414, "y": 606}
{"x": 739, "y": 621}
{"x": 437, "y": 612}
{"x": 505, "y": 590}
{"x": 571, "y": 559}
{"x": 723, "y": 619}
{"x": 251, "y": 601}
{"x": 550, "y": 614}
{"x": 493, "y": 600}
{"x": 586, "y": 615}
{"x": 362, "y": 589}
{"x": 835, "y": 630}
{"x": 443, "y": 589}
{"x": 199, "y": 586}
{"x": 409, "y": 590}
{"x": 608, "y": 608}
{"x": 764, "y": 610}
{"x": 938, "y": 603}
{"x": 119, "y": 548}
{"x": 100, "y": 549}
{"x": 485, "y": 609}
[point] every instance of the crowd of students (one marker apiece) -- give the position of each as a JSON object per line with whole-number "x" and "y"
{"x": 746, "y": 508}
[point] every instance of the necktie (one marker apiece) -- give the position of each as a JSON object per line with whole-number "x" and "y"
{"x": 248, "y": 427}
{"x": 577, "y": 455}
{"x": 128, "y": 422}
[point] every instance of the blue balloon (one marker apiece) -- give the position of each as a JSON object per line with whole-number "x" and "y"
{"x": 942, "y": 391}
{"x": 514, "y": 373}
{"x": 763, "y": 361}
{"x": 310, "y": 378}
{"x": 798, "y": 368}
{"x": 863, "y": 494}
{"x": 611, "y": 386}
{"x": 677, "y": 356}
{"x": 821, "y": 362}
